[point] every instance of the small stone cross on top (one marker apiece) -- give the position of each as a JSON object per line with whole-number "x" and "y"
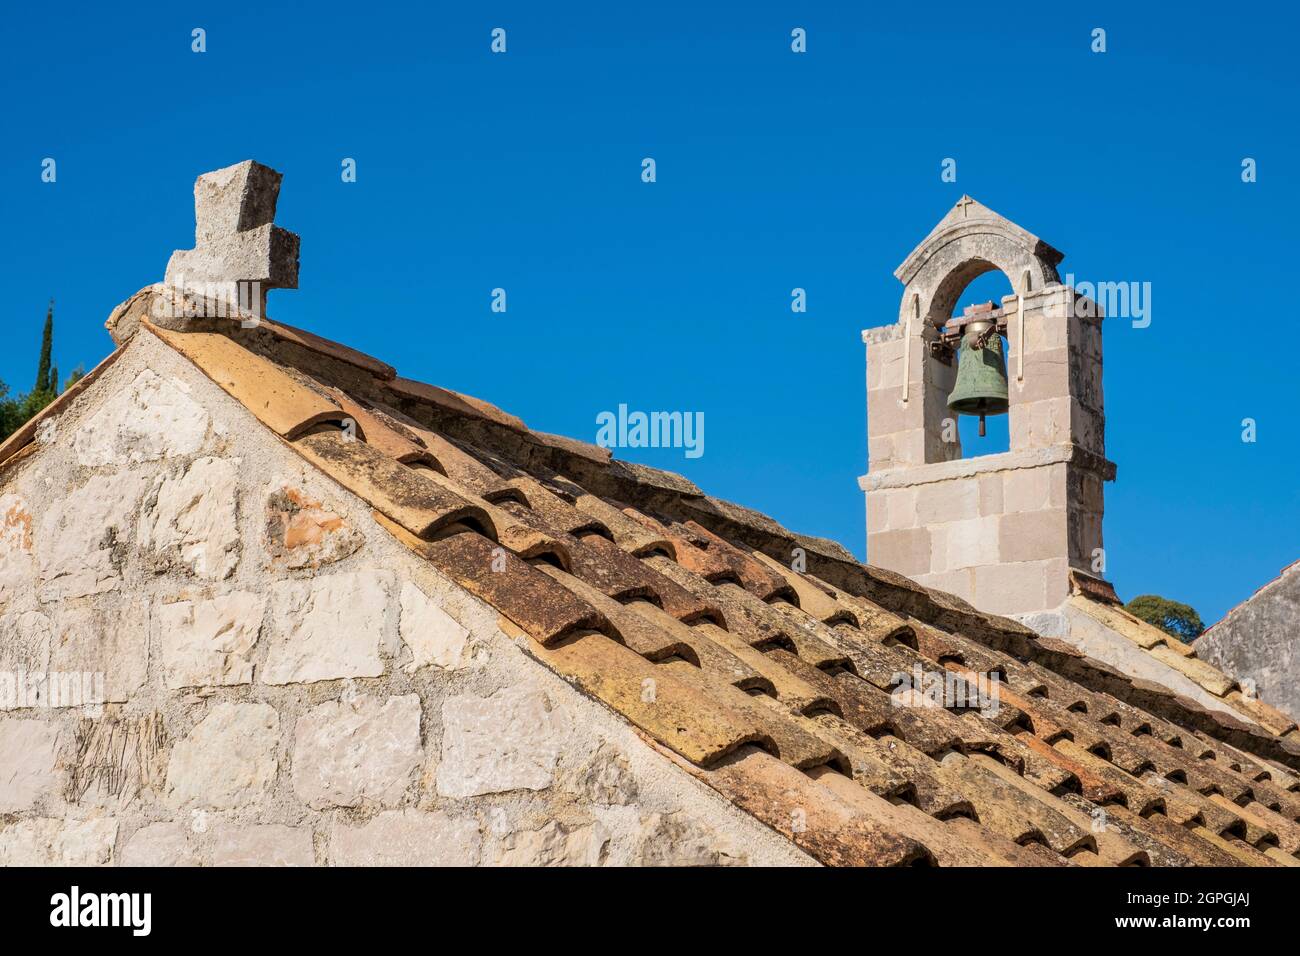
{"x": 239, "y": 253}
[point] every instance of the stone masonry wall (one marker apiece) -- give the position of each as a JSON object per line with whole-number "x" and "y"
{"x": 283, "y": 682}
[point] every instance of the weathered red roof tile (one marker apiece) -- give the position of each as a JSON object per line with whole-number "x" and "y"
{"x": 278, "y": 401}
{"x": 453, "y": 402}
{"x": 831, "y": 829}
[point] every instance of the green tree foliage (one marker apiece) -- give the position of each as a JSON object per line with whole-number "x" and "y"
{"x": 1172, "y": 617}
{"x": 15, "y": 411}
{"x": 44, "y": 383}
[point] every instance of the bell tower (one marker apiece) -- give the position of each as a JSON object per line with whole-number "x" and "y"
{"x": 1004, "y": 531}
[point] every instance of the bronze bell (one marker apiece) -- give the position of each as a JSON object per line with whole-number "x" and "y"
{"x": 981, "y": 387}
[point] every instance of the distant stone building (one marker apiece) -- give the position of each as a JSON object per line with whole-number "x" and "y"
{"x": 1258, "y": 642}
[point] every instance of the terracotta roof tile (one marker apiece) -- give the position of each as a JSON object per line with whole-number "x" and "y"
{"x": 1179, "y": 842}
{"x": 1268, "y": 717}
{"x": 652, "y": 642}
{"x": 929, "y": 792}
{"x": 542, "y": 608}
{"x": 611, "y": 570}
{"x": 383, "y": 434}
{"x": 1244, "y": 855}
{"x": 1005, "y": 810}
{"x": 316, "y": 343}
{"x": 708, "y": 565}
{"x": 277, "y": 400}
{"x": 811, "y": 815}
{"x": 557, "y": 513}
{"x": 453, "y": 402}
{"x": 676, "y": 712}
{"x": 1035, "y": 807}
{"x": 948, "y": 848}
{"x": 1031, "y": 854}
{"x": 1263, "y": 825}
{"x": 754, "y": 576}
{"x": 813, "y": 597}
{"x": 410, "y": 498}
{"x": 877, "y": 624}
{"x": 630, "y": 535}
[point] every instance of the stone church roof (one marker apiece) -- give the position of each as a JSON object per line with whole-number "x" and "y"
{"x": 777, "y": 688}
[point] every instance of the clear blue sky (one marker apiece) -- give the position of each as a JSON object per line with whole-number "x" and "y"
{"x": 775, "y": 170}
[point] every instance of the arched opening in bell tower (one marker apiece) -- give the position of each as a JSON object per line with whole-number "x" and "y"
{"x": 986, "y": 290}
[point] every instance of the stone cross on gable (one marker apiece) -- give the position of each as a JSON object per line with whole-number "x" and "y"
{"x": 239, "y": 253}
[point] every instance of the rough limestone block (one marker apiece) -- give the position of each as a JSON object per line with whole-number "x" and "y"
{"x": 912, "y": 446}
{"x": 406, "y": 838}
{"x": 269, "y": 844}
{"x": 907, "y": 552}
{"x": 1026, "y": 489}
{"x": 885, "y": 364}
{"x": 555, "y": 845}
{"x": 25, "y": 639}
{"x": 228, "y": 760}
{"x": 159, "y": 844}
{"x": 191, "y": 522}
{"x": 674, "y": 839}
{"x": 99, "y": 653}
{"x": 150, "y": 419}
{"x": 362, "y": 751}
{"x": 1011, "y": 588}
{"x": 1045, "y": 332}
{"x": 44, "y": 841}
{"x": 434, "y": 636}
{"x": 17, "y": 565}
{"x": 992, "y": 493}
{"x": 939, "y": 548}
{"x": 943, "y": 501}
{"x": 1031, "y": 536}
{"x": 29, "y": 753}
{"x": 117, "y": 758}
{"x": 79, "y": 541}
{"x": 1047, "y": 375}
{"x": 1057, "y": 586}
{"x": 329, "y": 627}
{"x": 301, "y": 532}
{"x": 902, "y": 508}
{"x": 877, "y": 511}
{"x": 887, "y": 413}
{"x": 509, "y": 741}
{"x": 972, "y": 542}
{"x": 210, "y": 643}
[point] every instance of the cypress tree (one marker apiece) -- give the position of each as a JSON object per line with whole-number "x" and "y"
{"x": 43, "y": 383}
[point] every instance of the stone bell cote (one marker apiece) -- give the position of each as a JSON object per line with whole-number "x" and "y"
{"x": 1004, "y": 531}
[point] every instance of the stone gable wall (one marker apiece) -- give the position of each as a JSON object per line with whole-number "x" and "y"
{"x": 282, "y": 682}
